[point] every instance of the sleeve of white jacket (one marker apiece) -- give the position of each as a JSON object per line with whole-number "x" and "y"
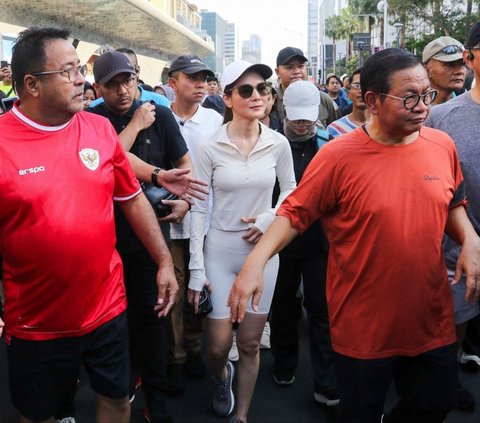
{"x": 198, "y": 216}
{"x": 286, "y": 178}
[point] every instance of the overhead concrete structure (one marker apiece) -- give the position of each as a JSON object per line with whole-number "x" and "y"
{"x": 136, "y": 24}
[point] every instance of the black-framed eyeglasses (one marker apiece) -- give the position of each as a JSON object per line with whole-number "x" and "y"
{"x": 410, "y": 101}
{"x": 451, "y": 49}
{"x": 246, "y": 91}
{"x": 72, "y": 73}
{"x": 114, "y": 85}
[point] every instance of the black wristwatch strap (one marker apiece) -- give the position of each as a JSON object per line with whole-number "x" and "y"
{"x": 155, "y": 176}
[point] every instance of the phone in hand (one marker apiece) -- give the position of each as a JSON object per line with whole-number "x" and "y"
{"x": 7, "y": 103}
{"x": 204, "y": 303}
{"x": 3, "y": 64}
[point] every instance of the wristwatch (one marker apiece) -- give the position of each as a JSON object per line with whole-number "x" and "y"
{"x": 155, "y": 176}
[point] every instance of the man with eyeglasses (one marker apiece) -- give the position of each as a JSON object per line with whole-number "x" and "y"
{"x": 291, "y": 67}
{"x": 140, "y": 93}
{"x": 153, "y": 145}
{"x": 445, "y": 68}
{"x": 65, "y": 302}
{"x": 385, "y": 193}
{"x": 359, "y": 114}
{"x": 458, "y": 118}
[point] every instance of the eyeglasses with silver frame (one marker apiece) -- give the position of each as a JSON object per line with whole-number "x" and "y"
{"x": 72, "y": 72}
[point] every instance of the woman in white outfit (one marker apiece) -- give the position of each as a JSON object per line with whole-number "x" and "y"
{"x": 240, "y": 164}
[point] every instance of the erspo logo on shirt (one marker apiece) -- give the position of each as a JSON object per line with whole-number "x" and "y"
{"x": 90, "y": 158}
{"x": 31, "y": 170}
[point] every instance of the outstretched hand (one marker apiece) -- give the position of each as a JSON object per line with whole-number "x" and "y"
{"x": 177, "y": 182}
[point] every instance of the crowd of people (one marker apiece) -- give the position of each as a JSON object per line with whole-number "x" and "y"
{"x": 359, "y": 204}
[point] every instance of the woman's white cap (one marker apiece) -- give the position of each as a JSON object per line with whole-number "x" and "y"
{"x": 235, "y": 70}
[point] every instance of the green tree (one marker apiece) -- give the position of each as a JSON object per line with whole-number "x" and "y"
{"x": 341, "y": 27}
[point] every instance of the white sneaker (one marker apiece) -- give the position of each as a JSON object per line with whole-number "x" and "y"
{"x": 233, "y": 354}
{"x": 66, "y": 420}
{"x": 265, "y": 341}
{"x": 465, "y": 358}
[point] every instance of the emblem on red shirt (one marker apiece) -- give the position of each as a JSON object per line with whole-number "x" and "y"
{"x": 90, "y": 158}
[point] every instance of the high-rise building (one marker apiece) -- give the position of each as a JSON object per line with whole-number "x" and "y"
{"x": 215, "y": 26}
{"x": 252, "y": 49}
{"x": 231, "y": 43}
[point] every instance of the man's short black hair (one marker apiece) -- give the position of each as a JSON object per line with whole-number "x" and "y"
{"x": 355, "y": 72}
{"x": 28, "y": 53}
{"x": 335, "y": 77}
{"x": 377, "y": 70}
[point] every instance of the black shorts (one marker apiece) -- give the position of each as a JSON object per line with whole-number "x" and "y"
{"x": 41, "y": 372}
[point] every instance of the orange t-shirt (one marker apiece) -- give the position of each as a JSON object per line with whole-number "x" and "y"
{"x": 384, "y": 210}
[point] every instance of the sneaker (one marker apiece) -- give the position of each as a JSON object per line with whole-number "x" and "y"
{"x": 195, "y": 366}
{"x": 176, "y": 379}
{"x": 465, "y": 400}
{"x": 283, "y": 377}
{"x": 223, "y": 400}
{"x": 265, "y": 341}
{"x": 330, "y": 398}
{"x": 66, "y": 420}
{"x": 470, "y": 362}
{"x": 156, "y": 409}
{"x": 233, "y": 353}
{"x": 133, "y": 389}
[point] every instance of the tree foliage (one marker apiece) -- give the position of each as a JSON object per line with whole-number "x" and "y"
{"x": 425, "y": 20}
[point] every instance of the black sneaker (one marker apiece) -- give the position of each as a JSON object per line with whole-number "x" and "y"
{"x": 465, "y": 400}
{"x": 176, "y": 379}
{"x": 284, "y": 377}
{"x": 156, "y": 409}
{"x": 195, "y": 367}
{"x": 223, "y": 399}
{"x": 330, "y": 398}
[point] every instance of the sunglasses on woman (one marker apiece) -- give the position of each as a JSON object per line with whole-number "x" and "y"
{"x": 246, "y": 91}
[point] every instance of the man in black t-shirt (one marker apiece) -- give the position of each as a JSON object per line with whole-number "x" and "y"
{"x": 151, "y": 136}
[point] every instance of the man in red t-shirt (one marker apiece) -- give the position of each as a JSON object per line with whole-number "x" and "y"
{"x": 61, "y": 169}
{"x": 385, "y": 193}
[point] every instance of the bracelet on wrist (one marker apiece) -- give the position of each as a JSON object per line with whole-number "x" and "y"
{"x": 155, "y": 173}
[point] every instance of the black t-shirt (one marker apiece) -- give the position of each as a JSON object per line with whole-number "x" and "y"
{"x": 166, "y": 146}
{"x": 313, "y": 242}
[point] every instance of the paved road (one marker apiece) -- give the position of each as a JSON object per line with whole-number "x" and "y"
{"x": 271, "y": 403}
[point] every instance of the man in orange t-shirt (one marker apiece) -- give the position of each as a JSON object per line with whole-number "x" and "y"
{"x": 385, "y": 193}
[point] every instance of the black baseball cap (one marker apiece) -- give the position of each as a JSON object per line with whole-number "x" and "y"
{"x": 110, "y": 64}
{"x": 474, "y": 36}
{"x": 288, "y": 53}
{"x": 189, "y": 64}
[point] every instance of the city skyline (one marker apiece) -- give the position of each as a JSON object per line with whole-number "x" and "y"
{"x": 276, "y": 26}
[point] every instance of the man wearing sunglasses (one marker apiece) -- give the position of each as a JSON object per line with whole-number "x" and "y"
{"x": 158, "y": 142}
{"x": 445, "y": 68}
{"x": 458, "y": 118}
{"x": 385, "y": 192}
{"x": 291, "y": 67}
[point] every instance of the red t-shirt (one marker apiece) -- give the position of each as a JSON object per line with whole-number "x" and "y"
{"x": 62, "y": 274}
{"x": 384, "y": 210}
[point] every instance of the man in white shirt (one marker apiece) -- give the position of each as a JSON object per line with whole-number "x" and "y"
{"x": 187, "y": 77}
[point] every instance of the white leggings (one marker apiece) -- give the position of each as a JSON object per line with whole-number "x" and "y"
{"x": 225, "y": 252}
